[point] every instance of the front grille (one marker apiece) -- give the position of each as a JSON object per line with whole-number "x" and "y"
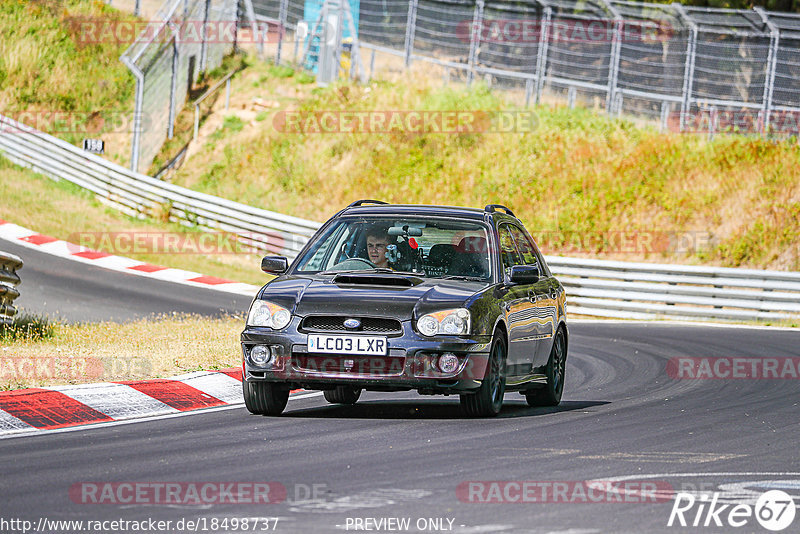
{"x": 329, "y": 323}
{"x": 356, "y": 365}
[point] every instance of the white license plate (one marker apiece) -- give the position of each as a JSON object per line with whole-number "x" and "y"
{"x": 369, "y": 345}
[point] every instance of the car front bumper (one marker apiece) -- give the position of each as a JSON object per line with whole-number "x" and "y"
{"x": 410, "y": 362}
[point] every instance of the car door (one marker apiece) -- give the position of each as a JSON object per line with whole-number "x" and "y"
{"x": 543, "y": 296}
{"x": 519, "y": 307}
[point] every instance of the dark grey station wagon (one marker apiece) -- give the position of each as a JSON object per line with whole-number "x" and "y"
{"x": 441, "y": 300}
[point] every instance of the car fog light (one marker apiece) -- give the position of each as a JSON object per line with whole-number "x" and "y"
{"x": 448, "y": 362}
{"x": 260, "y": 355}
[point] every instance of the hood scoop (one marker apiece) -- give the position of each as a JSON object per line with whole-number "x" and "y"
{"x": 376, "y": 279}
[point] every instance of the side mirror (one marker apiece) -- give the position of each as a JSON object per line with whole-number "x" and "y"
{"x": 274, "y": 264}
{"x": 524, "y": 274}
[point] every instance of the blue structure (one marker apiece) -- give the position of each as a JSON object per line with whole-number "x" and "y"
{"x": 311, "y": 11}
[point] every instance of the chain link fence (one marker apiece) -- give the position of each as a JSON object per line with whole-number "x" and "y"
{"x": 690, "y": 69}
{"x": 184, "y": 39}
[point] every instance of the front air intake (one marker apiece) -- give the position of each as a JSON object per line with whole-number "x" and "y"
{"x": 373, "y": 280}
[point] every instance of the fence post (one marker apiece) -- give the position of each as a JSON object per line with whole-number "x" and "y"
{"x": 571, "y": 94}
{"x": 411, "y": 27}
{"x": 137, "y": 112}
{"x": 769, "y": 75}
{"x": 204, "y": 44}
{"x": 173, "y": 86}
{"x": 475, "y": 39}
{"x": 251, "y": 14}
{"x": 541, "y": 53}
{"x": 338, "y": 47}
{"x": 665, "y": 108}
{"x": 613, "y": 62}
{"x": 528, "y": 91}
{"x": 712, "y": 122}
{"x": 282, "y": 18}
{"x": 688, "y": 72}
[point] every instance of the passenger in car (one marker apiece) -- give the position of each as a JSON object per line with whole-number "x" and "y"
{"x": 377, "y": 242}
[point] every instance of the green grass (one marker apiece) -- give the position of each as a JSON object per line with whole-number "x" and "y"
{"x": 184, "y": 121}
{"x": 46, "y": 65}
{"x": 27, "y": 327}
{"x": 578, "y": 177}
{"x": 106, "y": 352}
{"x": 65, "y": 211}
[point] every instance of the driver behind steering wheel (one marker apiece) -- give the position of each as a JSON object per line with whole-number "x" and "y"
{"x": 377, "y": 243}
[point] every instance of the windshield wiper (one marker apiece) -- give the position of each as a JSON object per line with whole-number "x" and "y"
{"x": 379, "y": 270}
{"x": 384, "y": 270}
{"x": 462, "y": 277}
{"x": 346, "y": 271}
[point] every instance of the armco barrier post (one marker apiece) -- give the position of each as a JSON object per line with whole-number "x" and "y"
{"x": 9, "y": 280}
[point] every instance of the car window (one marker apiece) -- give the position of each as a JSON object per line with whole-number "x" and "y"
{"x": 430, "y": 247}
{"x": 524, "y": 246}
{"x": 508, "y": 249}
{"x": 543, "y": 268}
{"x": 335, "y": 240}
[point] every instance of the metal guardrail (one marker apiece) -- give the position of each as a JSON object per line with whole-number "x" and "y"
{"x": 594, "y": 287}
{"x": 650, "y": 290}
{"x": 137, "y": 194}
{"x": 9, "y": 280}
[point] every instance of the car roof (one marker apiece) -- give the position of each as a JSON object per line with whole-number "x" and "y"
{"x": 415, "y": 209}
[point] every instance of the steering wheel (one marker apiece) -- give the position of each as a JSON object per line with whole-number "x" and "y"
{"x": 354, "y": 264}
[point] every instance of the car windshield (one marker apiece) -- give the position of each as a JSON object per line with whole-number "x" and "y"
{"x": 429, "y": 247}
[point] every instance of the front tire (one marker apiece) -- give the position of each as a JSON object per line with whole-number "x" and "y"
{"x": 488, "y": 401}
{"x": 265, "y": 398}
{"x": 342, "y": 395}
{"x": 550, "y": 395}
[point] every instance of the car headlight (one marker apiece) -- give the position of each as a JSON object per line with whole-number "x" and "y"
{"x": 450, "y": 322}
{"x": 263, "y": 313}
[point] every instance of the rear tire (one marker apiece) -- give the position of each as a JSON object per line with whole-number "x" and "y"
{"x": 342, "y": 395}
{"x": 550, "y": 395}
{"x": 488, "y": 401}
{"x": 265, "y": 398}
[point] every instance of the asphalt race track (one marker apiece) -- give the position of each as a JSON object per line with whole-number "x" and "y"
{"x": 77, "y": 292}
{"x": 405, "y": 456}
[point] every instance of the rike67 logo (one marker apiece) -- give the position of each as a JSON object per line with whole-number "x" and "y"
{"x": 774, "y": 510}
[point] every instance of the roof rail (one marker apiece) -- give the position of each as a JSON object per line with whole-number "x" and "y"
{"x": 491, "y": 208}
{"x": 365, "y": 201}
